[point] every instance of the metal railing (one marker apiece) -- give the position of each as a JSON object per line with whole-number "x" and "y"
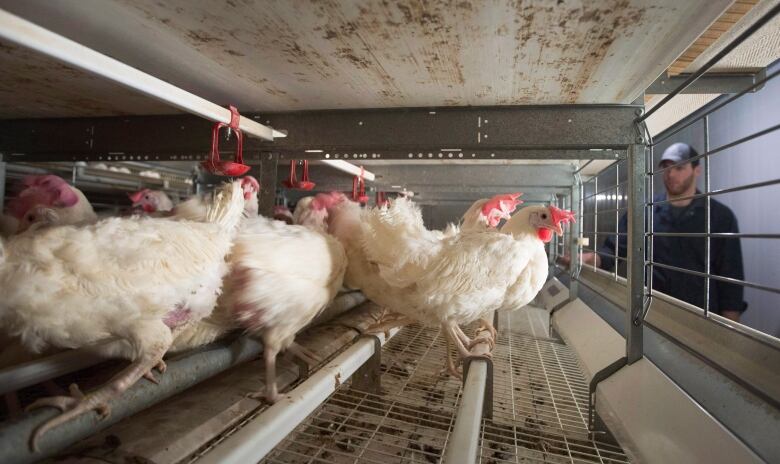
{"x": 613, "y": 191}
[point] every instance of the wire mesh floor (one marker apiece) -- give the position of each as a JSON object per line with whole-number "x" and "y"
{"x": 540, "y": 405}
{"x": 540, "y": 399}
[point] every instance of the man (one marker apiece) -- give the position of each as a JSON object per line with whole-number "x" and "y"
{"x": 682, "y": 214}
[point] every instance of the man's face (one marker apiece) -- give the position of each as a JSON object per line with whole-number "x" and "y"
{"x": 680, "y": 179}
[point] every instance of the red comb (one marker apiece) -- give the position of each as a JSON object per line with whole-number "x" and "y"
{"x": 327, "y": 200}
{"x": 136, "y": 197}
{"x": 561, "y": 215}
{"x": 249, "y": 185}
{"x": 503, "y": 204}
{"x": 48, "y": 190}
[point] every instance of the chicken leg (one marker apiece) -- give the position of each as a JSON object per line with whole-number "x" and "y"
{"x": 271, "y": 394}
{"x": 150, "y": 339}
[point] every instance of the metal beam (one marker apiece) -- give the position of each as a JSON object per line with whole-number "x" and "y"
{"x": 268, "y": 182}
{"x": 717, "y": 83}
{"x": 637, "y": 165}
{"x": 434, "y": 130}
{"x": 517, "y": 132}
{"x": 465, "y": 178}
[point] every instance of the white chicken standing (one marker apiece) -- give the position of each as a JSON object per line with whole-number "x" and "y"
{"x": 281, "y": 277}
{"x": 455, "y": 278}
{"x": 137, "y": 279}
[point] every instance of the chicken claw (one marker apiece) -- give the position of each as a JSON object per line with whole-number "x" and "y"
{"x": 71, "y": 407}
{"x": 476, "y": 341}
{"x": 161, "y": 367}
{"x": 485, "y": 324}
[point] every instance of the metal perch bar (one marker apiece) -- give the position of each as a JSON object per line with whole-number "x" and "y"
{"x": 463, "y": 444}
{"x": 180, "y": 375}
{"x": 259, "y": 436}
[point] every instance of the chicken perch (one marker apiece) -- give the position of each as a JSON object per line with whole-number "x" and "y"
{"x": 136, "y": 279}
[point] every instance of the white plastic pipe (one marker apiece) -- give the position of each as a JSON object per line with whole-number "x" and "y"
{"x": 257, "y": 438}
{"x": 32, "y": 36}
{"x": 350, "y": 168}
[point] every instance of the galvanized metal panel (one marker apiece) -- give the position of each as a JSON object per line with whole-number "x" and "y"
{"x": 294, "y": 55}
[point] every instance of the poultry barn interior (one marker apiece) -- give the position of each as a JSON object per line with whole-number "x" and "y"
{"x": 431, "y": 106}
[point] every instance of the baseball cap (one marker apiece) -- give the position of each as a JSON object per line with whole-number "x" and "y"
{"x": 679, "y": 152}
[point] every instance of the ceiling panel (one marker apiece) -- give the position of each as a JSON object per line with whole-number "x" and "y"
{"x": 301, "y": 55}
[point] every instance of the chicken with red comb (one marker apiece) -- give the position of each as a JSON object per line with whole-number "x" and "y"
{"x": 151, "y": 201}
{"x": 457, "y": 277}
{"x": 251, "y": 188}
{"x": 49, "y": 200}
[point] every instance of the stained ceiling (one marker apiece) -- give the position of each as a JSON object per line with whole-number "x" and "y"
{"x": 297, "y": 55}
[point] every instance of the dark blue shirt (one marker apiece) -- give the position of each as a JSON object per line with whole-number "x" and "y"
{"x": 688, "y": 253}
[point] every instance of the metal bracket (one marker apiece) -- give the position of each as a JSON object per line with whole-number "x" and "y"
{"x": 487, "y": 410}
{"x": 304, "y": 370}
{"x": 552, "y": 312}
{"x": 718, "y": 83}
{"x": 600, "y": 376}
{"x": 368, "y": 378}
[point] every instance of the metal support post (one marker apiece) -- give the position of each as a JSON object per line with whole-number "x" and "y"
{"x": 268, "y": 166}
{"x": 368, "y": 378}
{"x": 707, "y": 218}
{"x": 637, "y": 162}
{"x": 2, "y": 181}
{"x": 574, "y": 237}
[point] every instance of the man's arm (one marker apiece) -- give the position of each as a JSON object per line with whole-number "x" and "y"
{"x": 607, "y": 252}
{"x": 728, "y": 263}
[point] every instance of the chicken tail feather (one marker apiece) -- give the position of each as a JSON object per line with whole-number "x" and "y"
{"x": 398, "y": 242}
{"x": 227, "y": 206}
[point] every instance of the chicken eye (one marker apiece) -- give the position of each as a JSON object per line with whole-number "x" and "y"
{"x": 31, "y": 217}
{"x": 544, "y": 216}
{"x": 146, "y": 197}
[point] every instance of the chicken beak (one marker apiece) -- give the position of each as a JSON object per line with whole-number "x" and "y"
{"x": 558, "y": 229}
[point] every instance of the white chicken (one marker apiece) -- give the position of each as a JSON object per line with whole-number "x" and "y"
{"x": 313, "y": 211}
{"x": 151, "y": 201}
{"x": 48, "y": 200}
{"x": 456, "y": 278}
{"x": 281, "y": 277}
{"x": 195, "y": 208}
{"x": 138, "y": 279}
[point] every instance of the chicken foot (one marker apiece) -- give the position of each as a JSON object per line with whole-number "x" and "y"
{"x": 151, "y": 340}
{"x": 271, "y": 394}
{"x": 386, "y": 325}
{"x": 304, "y": 354}
{"x": 486, "y": 324}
